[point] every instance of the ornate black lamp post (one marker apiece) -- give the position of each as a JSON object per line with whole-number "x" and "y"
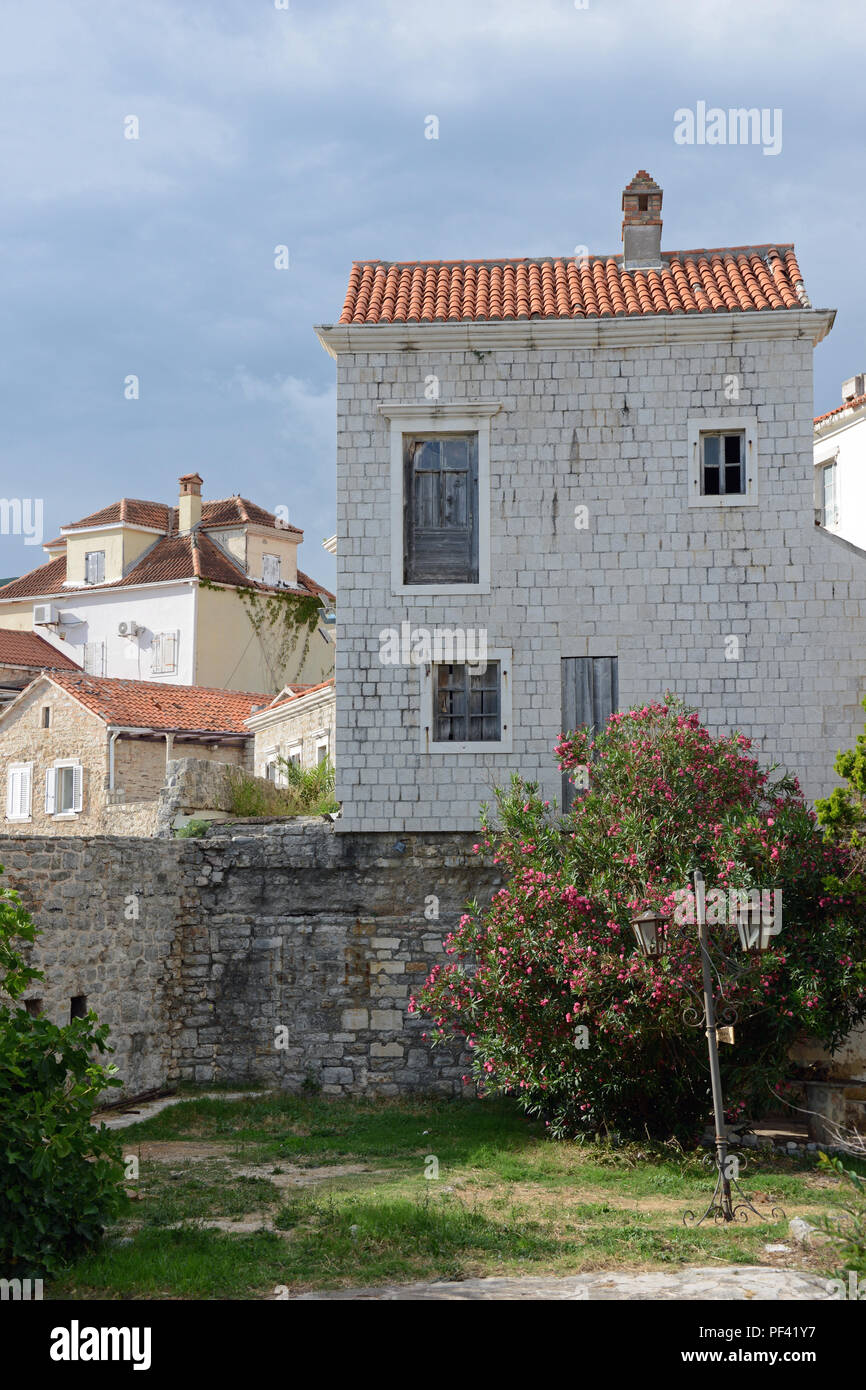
{"x": 652, "y": 933}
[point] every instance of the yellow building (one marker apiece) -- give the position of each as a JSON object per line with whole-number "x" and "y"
{"x": 204, "y": 593}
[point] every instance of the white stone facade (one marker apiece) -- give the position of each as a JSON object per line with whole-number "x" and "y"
{"x": 597, "y": 416}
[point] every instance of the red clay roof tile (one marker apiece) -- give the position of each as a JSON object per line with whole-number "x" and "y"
{"x": 151, "y": 705}
{"x": 724, "y": 280}
{"x": 29, "y": 649}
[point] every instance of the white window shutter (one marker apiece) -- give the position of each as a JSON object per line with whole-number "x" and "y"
{"x": 50, "y": 773}
{"x": 171, "y": 646}
{"x": 77, "y": 785}
{"x": 156, "y": 660}
{"x": 11, "y": 793}
{"x": 25, "y": 791}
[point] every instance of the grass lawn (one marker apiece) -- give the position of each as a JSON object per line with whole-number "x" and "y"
{"x": 236, "y": 1199}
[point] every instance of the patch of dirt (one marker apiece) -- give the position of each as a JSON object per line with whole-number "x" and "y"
{"x": 170, "y": 1150}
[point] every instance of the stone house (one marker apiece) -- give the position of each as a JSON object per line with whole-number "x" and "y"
{"x": 599, "y": 471}
{"x": 840, "y": 464}
{"x": 146, "y": 591}
{"x": 299, "y": 725}
{"x": 22, "y": 656}
{"x": 87, "y": 755}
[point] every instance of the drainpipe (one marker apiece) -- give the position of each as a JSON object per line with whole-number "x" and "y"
{"x": 112, "y": 739}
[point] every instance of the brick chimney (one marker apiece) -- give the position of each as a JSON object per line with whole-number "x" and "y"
{"x": 642, "y": 223}
{"x": 189, "y": 504}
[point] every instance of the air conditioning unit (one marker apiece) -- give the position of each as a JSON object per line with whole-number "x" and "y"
{"x": 129, "y": 629}
{"x": 44, "y": 615}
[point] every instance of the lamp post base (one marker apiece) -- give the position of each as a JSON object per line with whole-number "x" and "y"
{"x": 725, "y": 1207}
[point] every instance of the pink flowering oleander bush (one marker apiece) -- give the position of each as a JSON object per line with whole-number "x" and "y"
{"x": 546, "y": 984}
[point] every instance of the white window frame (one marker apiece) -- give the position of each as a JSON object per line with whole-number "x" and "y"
{"x": 158, "y": 664}
{"x": 295, "y": 753}
{"x": 426, "y": 723}
{"x": 88, "y": 555}
{"x": 821, "y": 466}
{"x": 420, "y": 418}
{"x": 11, "y": 770}
{"x": 711, "y": 424}
{"x": 77, "y": 790}
{"x": 278, "y": 560}
{"x": 89, "y": 648}
{"x": 321, "y": 739}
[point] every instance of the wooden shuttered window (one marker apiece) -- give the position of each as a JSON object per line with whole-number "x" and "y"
{"x": 468, "y": 708}
{"x": 440, "y": 509}
{"x": 590, "y": 692}
{"x": 18, "y": 791}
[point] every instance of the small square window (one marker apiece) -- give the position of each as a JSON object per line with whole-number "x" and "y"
{"x": 78, "y": 1006}
{"x": 33, "y": 1007}
{"x": 722, "y": 464}
{"x": 723, "y": 461}
{"x": 467, "y": 708}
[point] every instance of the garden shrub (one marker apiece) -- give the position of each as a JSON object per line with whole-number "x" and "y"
{"x": 546, "y": 984}
{"x": 60, "y": 1177}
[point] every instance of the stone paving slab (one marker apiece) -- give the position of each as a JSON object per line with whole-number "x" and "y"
{"x": 734, "y": 1283}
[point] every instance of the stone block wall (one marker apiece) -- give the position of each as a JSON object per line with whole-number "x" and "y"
{"x": 264, "y": 952}
{"x": 649, "y": 579}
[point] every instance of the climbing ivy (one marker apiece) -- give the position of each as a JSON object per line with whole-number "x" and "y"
{"x": 282, "y": 616}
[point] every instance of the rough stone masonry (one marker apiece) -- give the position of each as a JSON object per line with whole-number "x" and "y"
{"x": 272, "y": 952}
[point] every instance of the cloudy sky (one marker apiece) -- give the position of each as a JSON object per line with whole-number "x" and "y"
{"x": 304, "y": 126}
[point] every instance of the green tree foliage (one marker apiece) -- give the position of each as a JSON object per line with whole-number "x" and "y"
{"x": 547, "y": 985}
{"x": 60, "y": 1177}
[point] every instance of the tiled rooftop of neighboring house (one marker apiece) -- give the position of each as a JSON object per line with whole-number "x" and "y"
{"x": 30, "y": 650}
{"x": 296, "y": 691}
{"x": 839, "y": 410}
{"x": 169, "y": 708}
{"x": 727, "y": 280}
{"x": 189, "y": 555}
{"x": 225, "y": 511}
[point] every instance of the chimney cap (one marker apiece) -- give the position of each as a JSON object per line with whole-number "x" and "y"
{"x": 642, "y": 223}
{"x": 191, "y": 482}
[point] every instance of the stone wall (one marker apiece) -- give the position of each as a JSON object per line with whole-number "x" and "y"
{"x": 640, "y": 575}
{"x": 264, "y": 952}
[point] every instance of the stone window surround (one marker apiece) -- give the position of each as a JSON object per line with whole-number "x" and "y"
{"x": 20, "y": 767}
{"x": 434, "y": 417}
{"x": 699, "y": 425}
{"x": 429, "y": 745}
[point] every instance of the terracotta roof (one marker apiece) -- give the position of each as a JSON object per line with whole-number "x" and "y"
{"x": 848, "y": 405}
{"x": 298, "y": 691}
{"x": 151, "y": 705}
{"x": 47, "y": 579}
{"x": 29, "y": 649}
{"x": 305, "y": 582}
{"x": 727, "y": 280}
{"x": 169, "y": 558}
{"x": 132, "y": 510}
{"x": 225, "y": 511}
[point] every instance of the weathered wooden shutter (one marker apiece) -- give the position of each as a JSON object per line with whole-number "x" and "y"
{"x": 590, "y": 692}
{"x": 440, "y": 510}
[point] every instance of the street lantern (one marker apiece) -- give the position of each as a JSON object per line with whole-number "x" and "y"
{"x": 649, "y": 928}
{"x": 755, "y": 929}
{"x": 755, "y": 932}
